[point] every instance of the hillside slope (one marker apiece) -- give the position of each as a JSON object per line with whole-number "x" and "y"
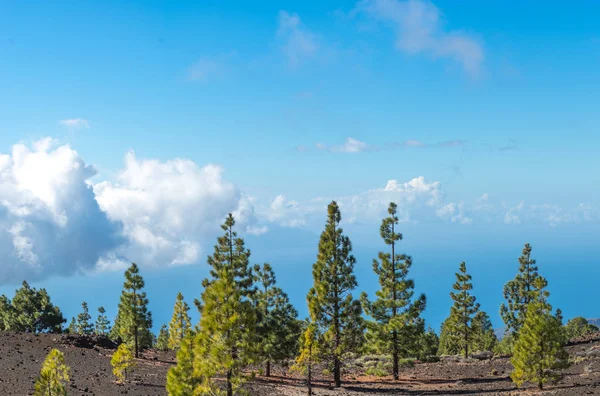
{"x": 21, "y": 356}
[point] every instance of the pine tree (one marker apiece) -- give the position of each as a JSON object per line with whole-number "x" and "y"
{"x": 463, "y": 310}
{"x": 579, "y": 327}
{"x": 7, "y": 313}
{"x": 396, "y": 320}
{"x": 133, "y": 319}
{"x": 102, "y": 326}
{"x": 180, "y": 323}
{"x": 309, "y": 354}
{"x": 34, "y": 312}
{"x": 429, "y": 343}
{"x": 484, "y": 338}
{"x": 83, "y": 321}
{"x": 53, "y": 376}
{"x": 330, "y": 300}
{"x": 521, "y": 291}
{"x": 539, "y": 351}
{"x": 162, "y": 342}
{"x": 449, "y": 342}
{"x": 226, "y": 340}
{"x": 72, "y": 329}
{"x": 278, "y": 324}
{"x": 181, "y": 380}
{"x": 122, "y": 362}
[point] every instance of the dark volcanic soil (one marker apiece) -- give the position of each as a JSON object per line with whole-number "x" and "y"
{"x": 21, "y": 356}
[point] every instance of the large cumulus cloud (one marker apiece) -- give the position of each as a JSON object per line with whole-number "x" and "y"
{"x": 55, "y": 221}
{"x": 170, "y": 210}
{"x": 50, "y": 222}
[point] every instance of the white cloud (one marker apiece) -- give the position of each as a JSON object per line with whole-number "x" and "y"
{"x": 170, "y": 210}
{"x": 350, "y": 146}
{"x": 52, "y": 223}
{"x": 75, "y": 123}
{"x": 298, "y": 43}
{"x": 419, "y": 29}
{"x": 417, "y": 200}
{"x": 287, "y": 213}
{"x": 455, "y": 212}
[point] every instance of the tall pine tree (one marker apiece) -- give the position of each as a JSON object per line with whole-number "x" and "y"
{"x": 83, "y": 320}
{"x": 462, "y": 312}
{"x": 278, "y": 325}
{"x": 180, "y": 322}
{"x": 336, "y": 312}
{"x": 134, "y": 321}
{"x": 226, "y": 340}
{"x": 396, "y": 324}
{"x": 521, "y": 291}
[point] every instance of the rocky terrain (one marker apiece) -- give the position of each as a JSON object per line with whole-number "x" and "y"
{"x": 21, "y": 356}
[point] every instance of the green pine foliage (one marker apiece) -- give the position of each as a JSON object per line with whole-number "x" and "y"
{"x": 133, "y": 321}
{"x": 506, "y": 345}
{"x": 330, "y": 301}
{"x": 521, "y": 291}
{"x": 396, "y": 325}
{"x": 539, "y": 351}
{"x": 30, "y": 311}
{"x": 278, "y": 326}
{"x": 483, "y": 338}
{"x": 181, "y": 379}
{"x": 6, "y": 313}
{"x": 84, "y": 326}
{"x": 54, "y": 376}
{"x": 180, "y": 323}
{"x": 102, "y": 326}
{"x": 449, "y": 343}
{"x": 579, "y": 327}
{"x": 429, "y": 343}
{"x": 72, "y": 329}
{"x": 122, "y": 362}
{"x": 162, "y": 342}
{"x": 459, "y": 323}
{"x": 226, "y": 341}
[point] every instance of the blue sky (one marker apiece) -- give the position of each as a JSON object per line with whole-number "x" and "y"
{"x": 164, "y": 116}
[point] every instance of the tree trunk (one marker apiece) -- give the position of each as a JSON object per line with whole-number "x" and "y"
{"x": 337, "y": 378}
{"x": 135, "y": 324}
{"x": 394, "y": 311}
{"x": 136, "y": 343}
{"x": 268, "y": 369}
{"x": 395, "y": 355}
{"x": 229, "y": 385}
{"x": 309, "y": 379}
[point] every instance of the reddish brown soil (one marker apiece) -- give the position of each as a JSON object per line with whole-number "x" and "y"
{"x": 21, "y": 356}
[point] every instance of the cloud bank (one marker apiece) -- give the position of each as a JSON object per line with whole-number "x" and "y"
{"x": 55, "y": 221}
